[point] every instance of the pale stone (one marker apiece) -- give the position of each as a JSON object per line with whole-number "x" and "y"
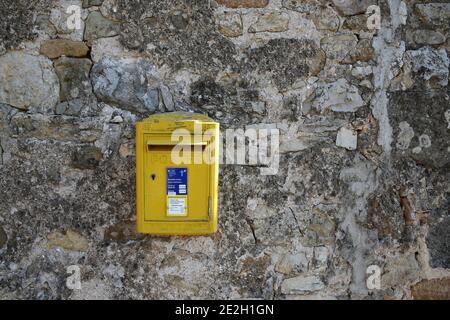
{"x": 339, "y": 96}
{"x": 403, "y": 12}
{"x": 167, "y": 98}
{"x": 117, "y": 119}
{"x": 366, "y": 83}
{"x": 321, "y": 257}
{"x": 303, "y": 6}
{"x": 402, "y": 269}
{"x": 127, "y": 82}
{"x": 405, "y": 136}
{"x": 126, "y": 150}
{"x": 432, "y": 64}
{"x": 230, "y": 24}
{"x": 425, "y": 141}
{"x": 60, "y": 15}
{"x": 104, "y": 47}
{"x": 352, "y": 7}
{"x": 362, "y": 72}
{"x": 347, "y": 138}
{"x": 447, "y": 117}
{"x": 292, "y": 262}
{"x": 436, "y": 14}
{"x": 69, "y": 240}
{"x": 27, "y": 80}
{"x": 428, "y": 37}
{"x": 301, "y": 284}
{"x": 258, "y": 107}
{"x": 271, "y": 22}
{"x": 326, "y": 19}
{"x": 93, "y": 289}
{"x": 337, "y": 47}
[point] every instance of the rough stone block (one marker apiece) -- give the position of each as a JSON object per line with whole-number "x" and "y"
{"x": 57, "y": 48}
{"x": 126, "y": 82}
{"x": 27, "y": 80}
{"x": 244, "y": 3}
{"x": 97, "y": 26}
{"x": 301, "y": 285}
{"x": 347, "y": 138}
{"x": 270, "y": 22}
{"x": 73, "y": 74}
{"x": 433, "y": 289}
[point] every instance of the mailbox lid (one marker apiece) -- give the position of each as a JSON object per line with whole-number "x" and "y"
{"x": 193, "y": 123}
{"x": 178, "y": 116}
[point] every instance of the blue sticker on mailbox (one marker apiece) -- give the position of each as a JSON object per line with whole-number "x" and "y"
{"x": 177, "y": 181}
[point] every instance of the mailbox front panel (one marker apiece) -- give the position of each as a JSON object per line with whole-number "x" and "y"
{"x": 174, "y": 191}
{"x": 176, "y": 197}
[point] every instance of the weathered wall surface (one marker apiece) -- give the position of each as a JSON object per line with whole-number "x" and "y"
{"x": 365, "y": 147}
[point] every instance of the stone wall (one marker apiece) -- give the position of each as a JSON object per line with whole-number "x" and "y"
{"x": 364, "y": 116}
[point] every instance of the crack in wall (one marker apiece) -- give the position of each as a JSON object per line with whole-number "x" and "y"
{"x": 1, "y": 153}
{"x": 252, "y": 228}
{"x": 296, "y": 221}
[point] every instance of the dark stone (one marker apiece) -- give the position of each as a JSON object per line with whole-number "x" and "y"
{"x": 244, "y": 3}
{"x": 207, "y": 92}
{"x": 87, "y": 158}
{"x": 122, "y": 232}
{"x": 97, "y": 26}
{"x": 90, "y": 3}
{"x": 3, "y": 237}
{"x": 254, "y": 271}
{"x": 179, "y": 19}
{"x": 425, "y": 113}
{"x": 70, "y": 108}
{"x": 73, "y": 77}
{"x": 381, "y": 206}
{"x": 17, "y": 23}
{"x": 55, "y": 128}
{"x": 177, "y": 33}
{"x": 234, "y": 99}
{"x": 438, "y": 239}
{"x": 286, "y": 59}
{"x": 321, "y": 230}
{"x": 356, "y": 23}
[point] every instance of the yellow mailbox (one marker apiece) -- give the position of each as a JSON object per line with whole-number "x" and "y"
{"x": 177, "y": 169}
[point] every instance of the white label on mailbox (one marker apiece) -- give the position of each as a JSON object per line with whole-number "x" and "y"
{"x": 176, "y": 206}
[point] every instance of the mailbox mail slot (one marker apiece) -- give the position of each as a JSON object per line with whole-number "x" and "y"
{"x": 177, "y": 174}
